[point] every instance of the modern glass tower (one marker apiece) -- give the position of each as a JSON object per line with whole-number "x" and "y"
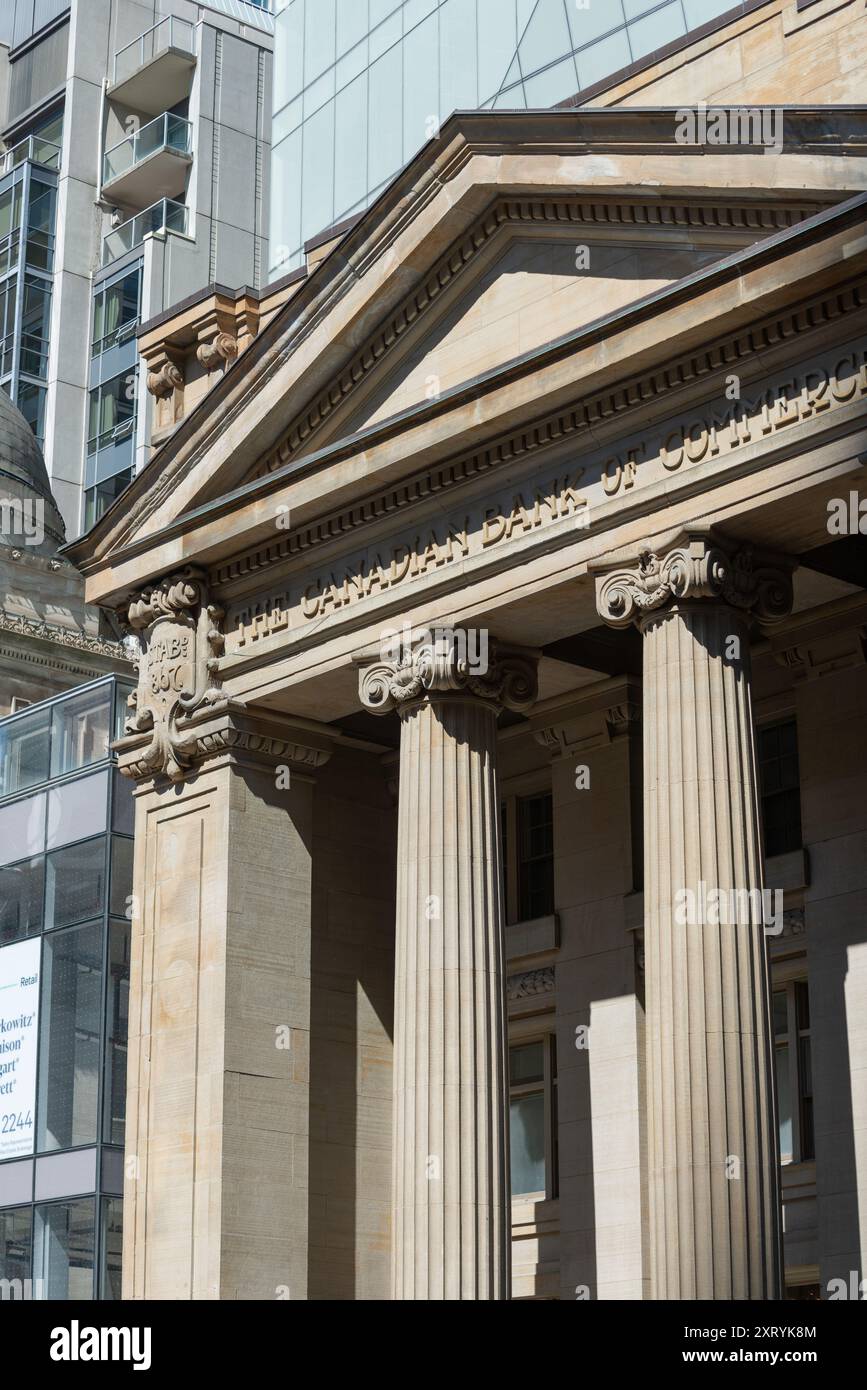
{"x": 361, "y": 85}
{"x": 66, "y": 824}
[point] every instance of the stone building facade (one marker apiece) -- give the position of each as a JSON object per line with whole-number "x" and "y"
{"x": 500, "y": 727}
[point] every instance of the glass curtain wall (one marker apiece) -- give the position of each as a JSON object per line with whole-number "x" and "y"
{"x": 66, "y": 823}
{"x": 114, "y": 382}
{"x": 361, "y": 85}
{"x": 28, "y": 199}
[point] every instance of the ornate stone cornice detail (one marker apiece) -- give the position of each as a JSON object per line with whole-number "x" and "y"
{"x": 530, "y": 983}
{"x": 165, "y": 380}
{"x": 78, "y": 641}
{"x": 595, "y": 412}
{"x": 698, "y": 568}
{"x": 557, "y": 212}
{"x": 794, "y": 924}
{"x": 559, "y": 739}
{"x": 229, "y": 729}
{"x": 815, "y": 656}
{"x": 439, "y": 667}
{"x": 181, "y": 642}
{"x": 218, "y": 352}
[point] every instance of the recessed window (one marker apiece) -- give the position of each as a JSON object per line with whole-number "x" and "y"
{"x": 791, "y": 1014}
{"x": 535, "y": 856}
{"x": 533, "y": 1118}
{"x": 780, "y": 782}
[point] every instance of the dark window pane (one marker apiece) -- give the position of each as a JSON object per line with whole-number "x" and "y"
{"x": 63, "y": 1249}
{"x": 123, "y": 808}
{"x": 117, "y": 1030}
{"x": 15, "y": 1248}
{"x": 535, "y": 857}
{"x": 21, "y": 899}
{"x": 802, "y": 998}
{"x": 69, "y": 1042}
{"x": 779, "y": 778}
{"x": 527, "y": 1063}
{"x": 112, "y": 1244}
{"x": 75, "y": 883}
{"x": 805, "y": 1077}
{"x": 121, "y": 875}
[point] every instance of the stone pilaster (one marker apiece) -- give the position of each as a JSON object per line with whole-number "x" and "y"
{"x": 216, "y": 1199}
{"x": 451, "y": 1227}
{"x": 712, "y": 1143}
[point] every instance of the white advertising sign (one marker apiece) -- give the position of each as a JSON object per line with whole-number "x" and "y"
{"x": 19, "y": 1017}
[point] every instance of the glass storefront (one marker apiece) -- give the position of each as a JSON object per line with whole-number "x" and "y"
{"x": 66, "y": 821}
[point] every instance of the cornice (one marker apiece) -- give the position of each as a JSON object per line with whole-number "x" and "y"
{"x": 36, "y": 630}
{"x": 267, "y": 354}
{"x": 229, "y": 731}
{"x": 597, "y": 411}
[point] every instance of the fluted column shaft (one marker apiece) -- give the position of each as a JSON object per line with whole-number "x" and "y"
{"x": 450, "y": 1193}
{"x": 451, "y": 1227}
{"x": 712, "y": 1143}
{"x": 711, "y": 1125}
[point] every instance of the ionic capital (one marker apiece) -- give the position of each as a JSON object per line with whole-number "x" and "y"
{"x": 696, "y": 567}
{"x": 447, "y": 663}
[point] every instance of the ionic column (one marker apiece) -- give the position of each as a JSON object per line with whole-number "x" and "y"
{"x": 450, "y": 1195}
{"x": 712, "y": 1140}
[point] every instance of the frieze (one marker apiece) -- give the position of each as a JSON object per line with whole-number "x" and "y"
{"x": 561, "y": 502}
{"x": 681, "y": 443}
{"x": 530, "y": 983}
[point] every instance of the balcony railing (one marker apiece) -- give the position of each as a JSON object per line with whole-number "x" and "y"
{"x": 34, "y": 148}
{"x": 169, "y": 33}
{"x": 167, "y": 132}
{"x": 164, "y": 216}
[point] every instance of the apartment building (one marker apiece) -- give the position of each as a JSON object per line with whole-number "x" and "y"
{"x": 135, "y": 171}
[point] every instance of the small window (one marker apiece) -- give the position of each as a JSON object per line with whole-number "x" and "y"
{"x": 533, "y": 1118}
{"x": 535, "y": 856}
{"x": 780, "y": 781}
{"x": 791, "y": 1016}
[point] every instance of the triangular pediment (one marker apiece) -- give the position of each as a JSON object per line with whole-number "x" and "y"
{"x": 539, "y": 287}
{"x": 458, "y": 276}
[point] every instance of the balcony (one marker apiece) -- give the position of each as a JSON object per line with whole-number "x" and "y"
{"x": 154, "y": 72}
{"x": 34, "y": 148}
{"x": 150, "y": 164}
{"x": 164, "y": 216}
